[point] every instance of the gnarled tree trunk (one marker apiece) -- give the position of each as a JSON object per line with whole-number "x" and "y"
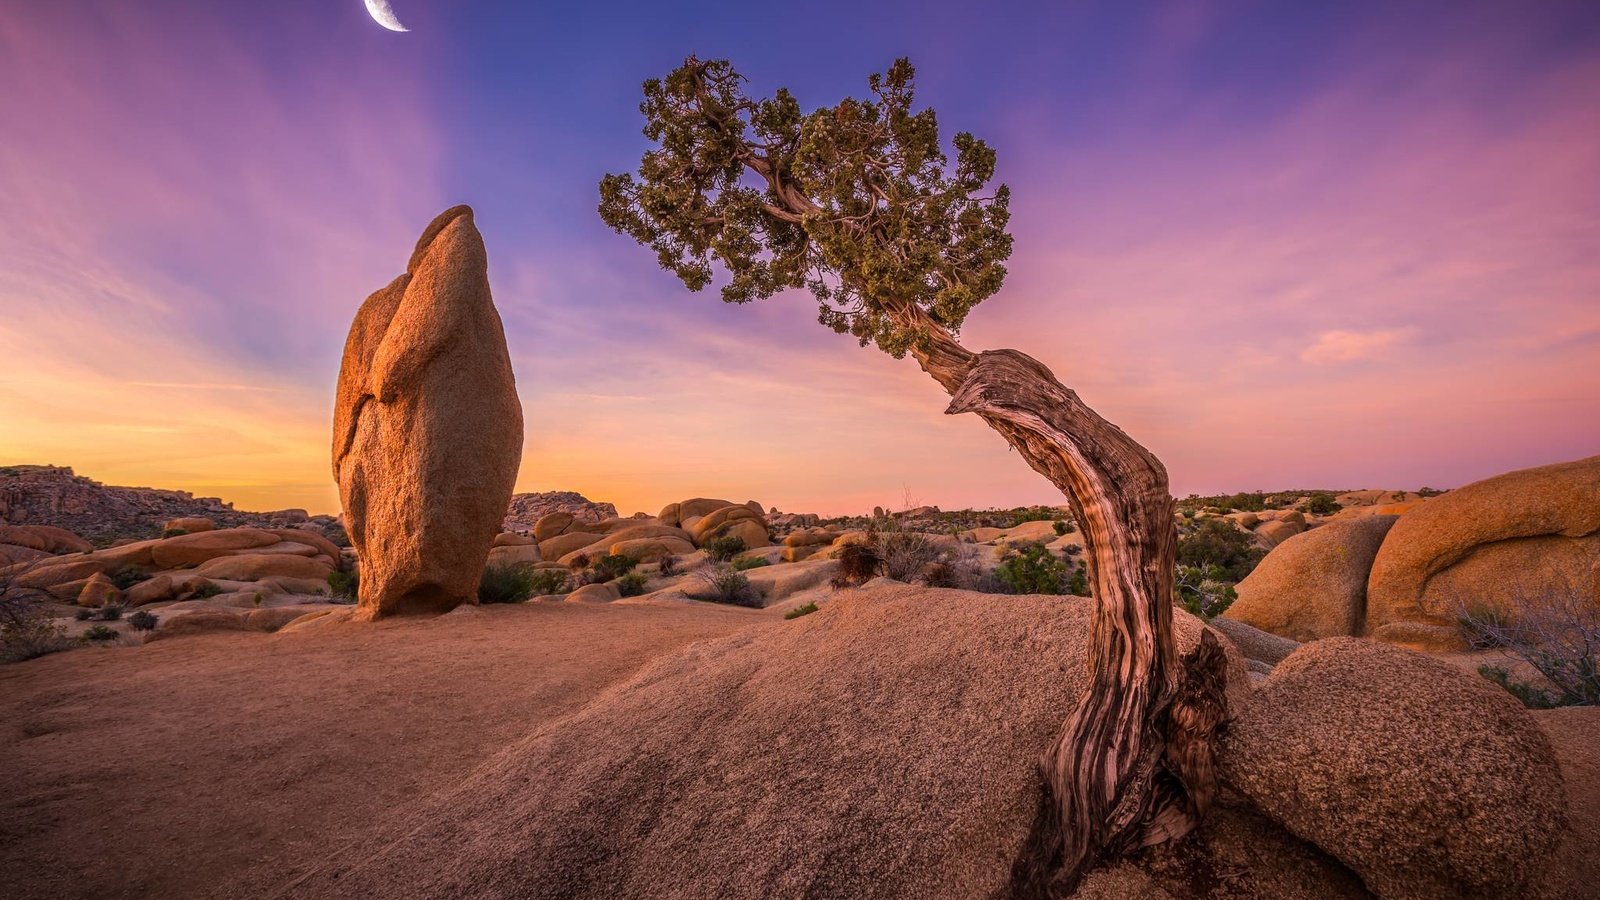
{"x": 1133, "y": 766}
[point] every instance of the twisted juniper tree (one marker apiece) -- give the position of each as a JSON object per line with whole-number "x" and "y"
{"x": 859, "y": 204}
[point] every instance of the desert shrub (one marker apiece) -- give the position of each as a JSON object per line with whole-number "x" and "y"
{"x": 212, "y": 589}
{"x": 174, "y": 532}
{"x": 613, "y": 565}
{"x": 1063, "y": 527}
{"x": 1203, "y": 590}
{"x": 1035, "y": 514}
{"x": 1032, "y": 569}
{"x": 505, "y": 584}
{"x": 1557, "y": 633}
{"x": 720, "y": 582}
{"x": 858, "y": 563}
{"x": 142, "y": 620}
{"x": 345, "y": 587}
{"x": 667, "y": 566}
{"x": 1426, "y": 492}
{"x": 1078, "y": 583}
{"x": 905, "y": 554}
{"x": 84, "y": 614}
{"x": 1531, "y": 697}
{"x": 99, "y": 633}
{"x": 550, "y": 581}
{"x": 26, "y": 628}
{"x": 1321, "y": 503}
{"x": 631, "y": 584}
{"x": 799, "y": 611}
{"x": 111, "y": 612}
{"x": 724, "y": 548}
{"x": 128, "y": 576}
{"x": 581, "y": 561}
{"x": 751, "y": 562}
{"x": 1217, "y": 542}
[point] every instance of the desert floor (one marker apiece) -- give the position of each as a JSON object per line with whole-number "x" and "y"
{"x": 228, "y": 764}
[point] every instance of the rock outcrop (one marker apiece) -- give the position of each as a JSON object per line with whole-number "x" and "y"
{"x": 1427, "y": 781}
{"x": 1314, "y": 585}
{"x": 1512, "y": 538}
{"x": 427, "y": 427}
{"x": 525, "y": 510}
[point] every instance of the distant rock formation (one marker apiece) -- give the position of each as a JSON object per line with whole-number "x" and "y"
{"x": 527, "y": 509}
{"x": 427, "y": 431}
{"x": 54, "y": 495}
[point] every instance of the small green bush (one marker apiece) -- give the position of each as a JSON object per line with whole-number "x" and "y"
{"x": 551, "y": 581}
{"x": 84, "y": 614}
{"x": 799, "y": 611}
{"x": 99, "y": 633}
{"x": 1531, "y": 697}
{"x": 1032, "y": 569}
{"x": 1203, "y": 590}
{"x": 142, "y": 620}
{"x": 1078, "y": 584}
{"x": 207, "y": 590}
{"x": 613, "y": 565}
{"x": 720, "y": 582}
{"x": 667, "y": 566}
{"x": 750, "y": 562}
{"x": 1063, "y": 528}
{"x": 858, "y": 563}
{"x": 724, "y": 548}
{"x": 128, "y": 576}
{"x": 111, "y": 612}
{"x": 1035, "y": 514}
{"x": 345, "y": 587}
{"x": 631, "y": 584}
{"x": 1321, "y": 503}
{"x": 505, "y": 584}
{"x": 1217, "y": 542}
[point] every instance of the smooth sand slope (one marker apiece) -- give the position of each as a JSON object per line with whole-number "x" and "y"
{"x": 226, "y": 764}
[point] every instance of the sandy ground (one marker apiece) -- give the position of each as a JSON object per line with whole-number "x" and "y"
{"x": 284, "y": 747}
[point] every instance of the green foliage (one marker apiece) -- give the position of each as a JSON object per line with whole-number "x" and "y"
{"x": 111, "y": 612}
{"x": 751, "y": 562}
{"x": 506, "y": 584}
{"x": 84, "y": 614}
{"x": 858, "y": 563}
{"x": 1063, "y": 528}
{"x": 1321, "y": 503}
{"x": 799, "y": 611}
{"x": 612, "y": 565}
{"x": 1204, "y": 590}
{"x": 631, "y": 584}
{"x": 128, "y": 576}
{"x": 1078, "y": 584}
{"x": 208, "y": 590}
{"x": 551, "y": 581}
{"x": 720, "y": 582}
{"x": 143, "y": 620}
{"x": 1036, "y": 514}
{"x": 1531, "y": 697}
{"x": 99, "y": 633}
{"x": 174, "y": 532}
{"x": 853, "y": 202}
{"x": 724, "y": 548}
{"x": 1217, "y": 542}
{"x": 345, "y": 586}
{"x": 1033, "y": 569}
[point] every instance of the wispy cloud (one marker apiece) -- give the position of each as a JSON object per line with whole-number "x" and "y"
{"x": 1332, "y": 347}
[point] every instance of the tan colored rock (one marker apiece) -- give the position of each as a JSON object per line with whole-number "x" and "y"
{"x": 1528, "y": 533}
{"x": 777, "y": 583}
{"x": 316, "y": 621}
{"x": 808, "y": 537}
{"x": 196, "y": 622}
{"x": 190, "y": 525}
{"x": 561, "y": 545}
{"x": 308, "y": 537}
{"x": 596, "y": 593}
{"x": 515, "y": 555}
{"x": 796, "y": 554}
{"x": 45, "y": 538}
{"x": 651, "y": 549}
{"x": 152, "y": 590}
{"x": 1276, "y": 531}
{"x": 254, "y": 567}
{"x": 1427, "y": 781}
{"x": 99, "y": 591}
{"x": 1313, "y": 585}
{"x": 427, "y": 427}
{"x": 676, "y": 513}
{"x": 552, "y": 524}
{"x": 1253, "y": 643}
{"x": 512, "y": 539}
{"x": 187, "y": 550}
{"x": 637, "y": 532}
{"x": 274, "y": 618}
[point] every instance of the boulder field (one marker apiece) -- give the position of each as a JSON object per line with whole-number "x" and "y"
{"x": 1491, "y": 548}
{"x": 427, "y": 432}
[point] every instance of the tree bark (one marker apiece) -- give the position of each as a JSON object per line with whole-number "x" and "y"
{"x": 1134, "y": 764}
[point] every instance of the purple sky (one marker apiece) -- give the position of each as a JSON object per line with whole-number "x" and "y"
{"x": 1342, "y": 245}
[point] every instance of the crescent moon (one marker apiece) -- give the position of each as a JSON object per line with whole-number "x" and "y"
{"x": 383, "y": 14}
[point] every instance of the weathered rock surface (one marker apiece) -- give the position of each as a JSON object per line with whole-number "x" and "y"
{"x": 1314, "y": 585}
{"x": 1427, "y": 781}
{"x": 1255, "y": 644}
{"x": 427, "y": 427}
{"x": 792, "y": 761}
{"x": 525, "y": 510}
{"x": 1522, "y": 535}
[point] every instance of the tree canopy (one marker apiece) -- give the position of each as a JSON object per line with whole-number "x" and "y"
{"x": 856, "y": 203}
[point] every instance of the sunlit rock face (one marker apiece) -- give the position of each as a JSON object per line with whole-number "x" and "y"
{"x": 427, "y": 427}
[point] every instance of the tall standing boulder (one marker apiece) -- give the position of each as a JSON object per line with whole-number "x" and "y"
{"x": 427, "y": 430}
{"x": 1518, "y": 537}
